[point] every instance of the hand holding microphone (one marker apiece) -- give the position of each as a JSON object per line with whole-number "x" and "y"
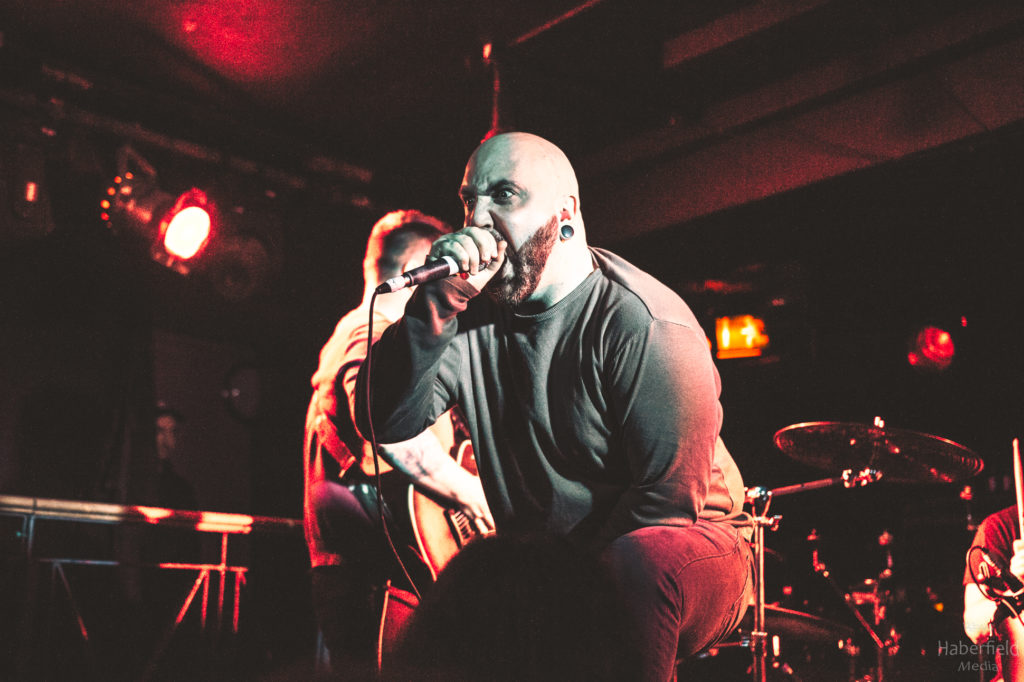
{"x": 472, "y": 252}
{"x": 992, "y": 572}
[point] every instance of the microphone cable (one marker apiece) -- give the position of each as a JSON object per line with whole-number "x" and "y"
{"x": 376, "y": 454}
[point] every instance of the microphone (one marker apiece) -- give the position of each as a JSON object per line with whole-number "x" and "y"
{"x": 992, "y": 568}
{"x": 439, "y": 269}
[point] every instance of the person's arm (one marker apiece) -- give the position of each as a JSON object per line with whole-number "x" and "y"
{"x": 411, "y": 361}
{"x": 665, "y": 389}
{"x": 425, "y": 460}
{"x": 1011, "y": 649}
{"x": 422, "y": 457}
{"x": 1017, "y": 560}
{"x": 410, "y": 358}
{"x": 979, "y": 611}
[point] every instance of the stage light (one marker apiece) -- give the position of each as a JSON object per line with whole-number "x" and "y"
{"x": 740, "y": 336}
{"x": 931, "y": 349}
{"x": 185, "y": 229}
{"x": 177, "y": 229}
{"x": 235, "y": 248}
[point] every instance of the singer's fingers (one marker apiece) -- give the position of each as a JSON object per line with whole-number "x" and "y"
{"x": 499, "y": 256}
{"x": 449, "y": 245}
{"x": 464, "y": 249}
{"x": 472, "y": 244}
{"x": 476, "y": 248}
{"x": 486, "y": 243}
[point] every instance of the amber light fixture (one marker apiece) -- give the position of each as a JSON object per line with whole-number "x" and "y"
{"x": 740, "y": 336}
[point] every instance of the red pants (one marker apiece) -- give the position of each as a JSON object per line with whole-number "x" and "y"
{"x": 684, "y": 589}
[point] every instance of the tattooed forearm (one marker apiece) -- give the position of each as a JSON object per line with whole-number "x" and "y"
{"x": 416, "y": 462}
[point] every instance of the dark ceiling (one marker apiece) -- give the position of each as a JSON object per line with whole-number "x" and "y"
{"x": 671, "y": 110}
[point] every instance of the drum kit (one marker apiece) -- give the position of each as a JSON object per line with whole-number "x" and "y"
{"x": 855, "y": 455}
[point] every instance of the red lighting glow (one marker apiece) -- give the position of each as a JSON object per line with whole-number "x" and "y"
{"x": 931, "y": 349}
{"x": 256, "y": 41}
{"x": 216, "y": 522}
{"x": 154, "y": 514}
{"x": 187, "y": 232}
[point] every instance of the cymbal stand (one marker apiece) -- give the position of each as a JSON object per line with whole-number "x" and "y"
{"x": 884, "y": 647}
{"x": 878, "y": 600}
{"x": 760, "y": 500}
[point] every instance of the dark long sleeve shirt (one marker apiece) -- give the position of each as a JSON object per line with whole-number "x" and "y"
{"x": 593, "y": 418}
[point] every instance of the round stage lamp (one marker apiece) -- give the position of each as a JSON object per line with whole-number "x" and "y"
{"x": 931, "y": 349}
{"x": 187, "y": 232}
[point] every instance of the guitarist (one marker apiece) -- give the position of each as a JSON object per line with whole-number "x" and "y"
{"x": 349, "y": 556}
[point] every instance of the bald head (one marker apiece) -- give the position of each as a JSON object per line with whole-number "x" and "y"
{"x": 522, "y": 189}
{"x": 547, "y": 164}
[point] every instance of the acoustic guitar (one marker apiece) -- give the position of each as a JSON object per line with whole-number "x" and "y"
{"x": 441, "y": 532}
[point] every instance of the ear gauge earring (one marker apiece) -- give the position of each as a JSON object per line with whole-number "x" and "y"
{"x": 566, "y": 232}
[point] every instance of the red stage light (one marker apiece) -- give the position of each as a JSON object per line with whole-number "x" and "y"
{"x": 932, "y": 349}
{"x": 175, "y": 229}
{"x": 187, "y": 232}
{"x": 184, "y": 230}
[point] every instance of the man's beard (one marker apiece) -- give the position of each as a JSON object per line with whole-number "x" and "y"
{"x": 520, "y": 274}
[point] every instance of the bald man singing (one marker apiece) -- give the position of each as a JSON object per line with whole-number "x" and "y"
{"x": 590, "y": 395}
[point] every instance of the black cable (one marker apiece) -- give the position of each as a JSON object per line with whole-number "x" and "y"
{"x": 376, "y": 454}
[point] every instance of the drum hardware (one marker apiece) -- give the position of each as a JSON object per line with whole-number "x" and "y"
{"x": 967, "y": 495}
{"x": 785, "y": 626}
{"x": 759, "y": 499}
{"x": 789, "y": 624}
{"x": 885, "y": 649}
{"x": 866, "y": 454}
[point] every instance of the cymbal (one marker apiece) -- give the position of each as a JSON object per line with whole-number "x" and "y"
{"x": 796, "y": 626}
{"x": 900, "y": 455}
